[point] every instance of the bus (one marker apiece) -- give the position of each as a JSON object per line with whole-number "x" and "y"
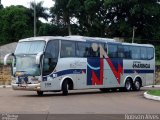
{"x": 59, "y": 64}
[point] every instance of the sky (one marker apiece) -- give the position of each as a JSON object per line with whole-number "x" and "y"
{"x": 26, "y": 3}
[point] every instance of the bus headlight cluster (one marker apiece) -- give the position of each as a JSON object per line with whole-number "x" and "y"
{"x": 35, "y": 80}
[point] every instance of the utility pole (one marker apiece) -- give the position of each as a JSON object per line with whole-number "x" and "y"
{"x": 34, "y": 18}
{"x": 134, "y": 29}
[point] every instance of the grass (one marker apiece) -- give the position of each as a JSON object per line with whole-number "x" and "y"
{"x": 154, "y": 92}
{"x": 157, "y": 62}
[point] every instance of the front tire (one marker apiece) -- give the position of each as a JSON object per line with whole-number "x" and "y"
{"x": 65, "y": 87}
{"x": 40, "y": 93}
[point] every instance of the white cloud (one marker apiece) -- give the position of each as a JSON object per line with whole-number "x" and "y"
{"x": 26, "y": 3}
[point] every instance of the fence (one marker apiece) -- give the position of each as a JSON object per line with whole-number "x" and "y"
{"x": 5, "y": 75}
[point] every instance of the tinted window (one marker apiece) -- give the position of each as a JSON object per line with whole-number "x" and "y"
{"x": 52, "y": 49}
{"x": 120, "y": 51}
{"x": 67, "y": 49}
{"x": 94, "y": 50}
{"x": 127, "y": 52}
{"x": 83, "y": 49}
{"x": 112, "y": 51}
{"x": 150, "y": 53}
{"x": 50, "y": 57}
{"x": 135, "y": 52}
{"x": 105, "y": 48}
{"x": 143, "y": 53}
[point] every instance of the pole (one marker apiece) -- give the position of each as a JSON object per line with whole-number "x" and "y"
{"x": 34, "y": 18}
{"x": 134, "y": 28}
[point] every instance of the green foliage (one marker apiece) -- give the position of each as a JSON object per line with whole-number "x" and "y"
{"x": 111, "y": 18}
{"x": 52, "y": 30}
{"x": 61, "y": 14}
{"x": 1, "y": 6}
{"x": 143, "y": 14}
{"x": 15, "y": 23}
{"x": 99, "y": 18}
{"x": 157, "y": 52}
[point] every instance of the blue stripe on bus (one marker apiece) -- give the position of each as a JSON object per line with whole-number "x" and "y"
{"x": 80, "y": 71}
{"x": 65, "y": 72}
{"x": 70, "y": 71}
{"x": 138, "y": 71}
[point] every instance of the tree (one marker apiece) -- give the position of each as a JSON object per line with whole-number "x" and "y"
{"x": 41, "y": 12}
{"x": 111, "y": 18}
{"x": 61, "y": 14}
{"x": 47, "y": 29}
{"x": 91, "y": 16}
{"x": 143, "y": 14}
{"x": 1, "y": 6}
{"x": 15, "y": 23}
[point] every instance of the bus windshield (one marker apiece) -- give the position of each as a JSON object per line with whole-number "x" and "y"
{"x": 25, "y": 57}
{"x": 27, "y": 65}
{"x": 30, "y": 47}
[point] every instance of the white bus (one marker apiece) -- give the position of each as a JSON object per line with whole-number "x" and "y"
{"x": 46, "y": 64}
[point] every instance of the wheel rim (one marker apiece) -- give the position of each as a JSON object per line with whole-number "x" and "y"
{"x": 67, "y": 87}
{"x": 128, "y": 85}
{"x": 137, "y": 85}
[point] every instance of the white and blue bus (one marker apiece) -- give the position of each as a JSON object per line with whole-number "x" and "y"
{"x": 46, "y": 64}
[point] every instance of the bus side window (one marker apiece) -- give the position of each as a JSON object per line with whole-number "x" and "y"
{"x": 150, "y": 53}
{"x": 127, "y": 52}
{"x": 94, "y": 50}
{"x": 112, "y": 51}
{"x": 106, "y": 48}
{"x": 135, "y": 52}
{"x": 82, "y": 49}
{"x": 120, "y": 51}
{"x": 67, "y": 49}
{"x": 143, "y": 53}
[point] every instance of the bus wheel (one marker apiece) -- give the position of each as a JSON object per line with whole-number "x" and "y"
{"x": 137, "y": 85}
{"x": 65, "y": 87}
{"x": 40, "y": 93}
{"x": 128, "y": 85}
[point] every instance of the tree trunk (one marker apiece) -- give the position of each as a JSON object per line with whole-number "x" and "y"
{"x": 69, "y": 28}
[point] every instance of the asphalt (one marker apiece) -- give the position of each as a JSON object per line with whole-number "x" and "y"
{"x": 78, "y": 102}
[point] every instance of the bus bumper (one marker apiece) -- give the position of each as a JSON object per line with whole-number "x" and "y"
{"x": 29, "y": 87}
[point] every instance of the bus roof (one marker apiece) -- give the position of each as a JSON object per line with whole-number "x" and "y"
{"x": 81, "y": 38}
{"x": 77, "y": 38}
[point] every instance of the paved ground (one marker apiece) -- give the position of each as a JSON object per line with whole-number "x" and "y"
{"x": 78, "y": 102}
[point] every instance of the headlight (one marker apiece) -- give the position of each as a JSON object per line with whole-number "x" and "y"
{"x": 35, "y": 80}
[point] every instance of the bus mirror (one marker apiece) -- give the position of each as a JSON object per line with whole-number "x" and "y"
{"x": 6, "y": 58}
{"x": 38, "y": 57}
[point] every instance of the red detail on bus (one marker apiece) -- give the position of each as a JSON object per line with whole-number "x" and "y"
{"x": 95, "y": 80}
{"x": 116, "y": 73}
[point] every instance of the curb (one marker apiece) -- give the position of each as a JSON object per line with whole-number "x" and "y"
{"x": 153, "y": 86}
{"x": 152, "y": 97}
{"x": 5, "y": 86}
